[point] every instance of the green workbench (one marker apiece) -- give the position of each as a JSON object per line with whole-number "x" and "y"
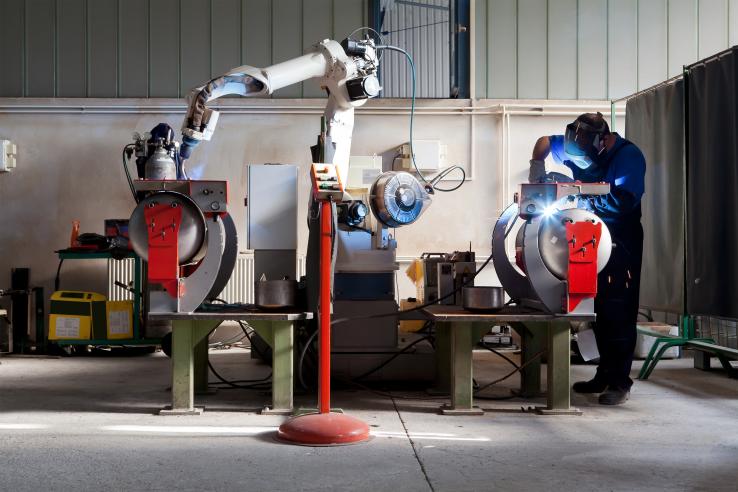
{"x": 458, "y": 331}
{"x": 138, "y": 338}
{"x": 190, "y": 354}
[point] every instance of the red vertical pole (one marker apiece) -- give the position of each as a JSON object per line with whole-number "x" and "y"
{"x": 326, "y": 243}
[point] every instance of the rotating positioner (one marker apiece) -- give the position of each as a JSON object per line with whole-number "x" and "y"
{"x": 182, "y": 229}
{"x": 559, "y": 249}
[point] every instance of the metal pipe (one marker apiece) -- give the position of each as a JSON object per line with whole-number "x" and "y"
{"x": 324, "y": 329}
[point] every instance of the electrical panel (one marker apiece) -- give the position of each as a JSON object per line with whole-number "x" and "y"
{"x": 363, "y": 171}
{"x": 8, "y": 152}
{"x": 430, "y": 155}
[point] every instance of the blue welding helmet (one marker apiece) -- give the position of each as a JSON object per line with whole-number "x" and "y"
{"x": 584, "y": 139}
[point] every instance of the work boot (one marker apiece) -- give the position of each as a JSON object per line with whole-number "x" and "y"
{"x": 614, "y": 396}
{"x": 591, "y": 386}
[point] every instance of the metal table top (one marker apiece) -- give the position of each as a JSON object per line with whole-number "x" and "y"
{"x": 507, "y": 314}
{"x": 232, "y": 315}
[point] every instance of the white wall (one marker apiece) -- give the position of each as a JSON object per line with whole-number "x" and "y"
{"x": 69, "y": 167}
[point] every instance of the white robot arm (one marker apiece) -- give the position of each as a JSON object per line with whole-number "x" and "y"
{"x": 347, "y": 70}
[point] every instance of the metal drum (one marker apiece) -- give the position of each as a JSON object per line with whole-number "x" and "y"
{"x": 192, "y": 229}
{"x": 276, "y": 294}
{"x": 483, "y": 298}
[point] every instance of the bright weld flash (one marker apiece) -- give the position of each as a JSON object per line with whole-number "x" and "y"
{"x": 550, "y": 210}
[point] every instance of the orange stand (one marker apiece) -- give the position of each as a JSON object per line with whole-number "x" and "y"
{"x": 324, "y": 428}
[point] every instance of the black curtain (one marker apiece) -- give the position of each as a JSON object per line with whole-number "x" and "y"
{"x": 654, "y": 122}
{"x": 712, "y": 187}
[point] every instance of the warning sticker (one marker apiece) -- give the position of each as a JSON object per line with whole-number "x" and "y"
{"x": 67, "y": 327}
{"x": 119, "y": 322}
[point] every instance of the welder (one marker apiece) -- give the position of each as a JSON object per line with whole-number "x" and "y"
{"x": 594, "y": 154}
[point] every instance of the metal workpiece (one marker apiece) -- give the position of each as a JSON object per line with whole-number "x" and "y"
{"x": 535, "y": 198}
{"x": 483, "y": 298}
{"x": 553, "y": 244}
{"x": 192, "y": 226}
{"x": 210, "y": 196}
{"x": 276, "y": 294}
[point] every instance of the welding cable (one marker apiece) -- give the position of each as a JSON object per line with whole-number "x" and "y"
{"x": 253, "y": 347}
{"x": 390, "y": 395}
{"x": 445, "y": 173}
{"x": 301, "y": 360}
{"x": 257, "y": 384}
{"x": 500, "y": 354}
{"x": 230, "y": 341}
{"x": 510, "y": 374}
{"x": 430, "y": 185}
{"x": 128, "y": 172}
{"x": 390, "y": 359}
{"x": 57, "y": 279}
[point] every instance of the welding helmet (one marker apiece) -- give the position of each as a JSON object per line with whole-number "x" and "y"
{"x": 584, "y": 139}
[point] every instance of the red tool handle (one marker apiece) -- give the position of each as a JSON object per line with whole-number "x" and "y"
{"x": 324, "y": 337}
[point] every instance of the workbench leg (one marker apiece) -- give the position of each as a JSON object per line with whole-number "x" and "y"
{"x": 462, "y": 392}
{"x": 280, "y": 337}
{"x": 558, "y": 371}
{"x": 702, "y": 360}
{"x": 443, "y": 360}
{"x": 533, "y": 337}
{"x": 186, "y": 334}
{"x": 201, "y": 368}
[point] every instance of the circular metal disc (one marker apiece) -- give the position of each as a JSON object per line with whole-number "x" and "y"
{"x": 397, "y": 199}
{"x": 553, "y": 245}
{"x": 192, "y": 229}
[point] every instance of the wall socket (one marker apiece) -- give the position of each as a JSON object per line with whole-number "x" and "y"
{"x": 8, "y": 152}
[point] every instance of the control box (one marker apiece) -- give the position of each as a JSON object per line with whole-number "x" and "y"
{"x": 326, "y": 182}
{"x": 430, "y": 155}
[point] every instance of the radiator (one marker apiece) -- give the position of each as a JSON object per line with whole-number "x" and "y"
{"x": 240, "y": 288}
{"x": 120, "y": 271}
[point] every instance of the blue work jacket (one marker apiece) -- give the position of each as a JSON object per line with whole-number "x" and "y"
{"x": 624, "y": 168}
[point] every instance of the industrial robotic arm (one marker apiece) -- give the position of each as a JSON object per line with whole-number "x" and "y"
{"x": 348, "y": 70}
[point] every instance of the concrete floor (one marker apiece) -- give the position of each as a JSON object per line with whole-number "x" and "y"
{"x": 89, "y": 423}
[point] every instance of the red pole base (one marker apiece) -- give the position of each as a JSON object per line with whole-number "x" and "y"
{"x": 323, "y": 429}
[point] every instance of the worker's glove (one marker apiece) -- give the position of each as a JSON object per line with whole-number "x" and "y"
{"x": 537, "y": 173}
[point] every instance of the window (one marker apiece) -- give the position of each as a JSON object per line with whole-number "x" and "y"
{"x": 436, "y": 34}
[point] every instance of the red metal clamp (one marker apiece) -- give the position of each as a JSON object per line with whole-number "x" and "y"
{"x": 583, "y": 239}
